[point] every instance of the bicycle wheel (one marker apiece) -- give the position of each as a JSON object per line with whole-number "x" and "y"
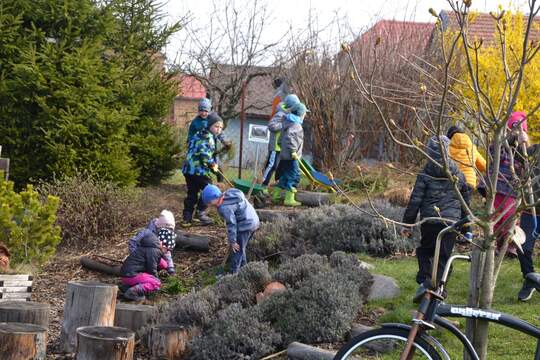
{"x": 385, "y": 343}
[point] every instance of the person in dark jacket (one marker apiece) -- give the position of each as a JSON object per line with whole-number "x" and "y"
{"x": 140, "y": 269}
{"x": 434, "y": 196}
{"x": 240, "y": 217}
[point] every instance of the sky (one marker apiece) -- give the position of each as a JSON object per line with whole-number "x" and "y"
{"x": 359, "y": 14}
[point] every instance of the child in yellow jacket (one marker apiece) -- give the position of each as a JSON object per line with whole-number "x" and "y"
{"x": 466, "y": 155}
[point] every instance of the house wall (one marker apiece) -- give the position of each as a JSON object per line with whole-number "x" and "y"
{"x": 183, "y": 111}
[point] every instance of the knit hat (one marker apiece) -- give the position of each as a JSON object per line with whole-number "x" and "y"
{"x": 454, "y": 129}
{"x": 210, "y": 193}
{"x": 290, "y": 101}
{"x": 433, "y": 147}
{"x": 299, "y": 109}
{"x": 205, "y": 105}
{"x": 166, "y": 220}
{"x": 213, "y": 118}
{"x": 167, "y": 237}
{"x": 517, "y": 117}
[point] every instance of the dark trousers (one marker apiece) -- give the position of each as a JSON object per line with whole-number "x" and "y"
{"x": 426, "y": 250}
{"x": 526, "y": 259}
{"x": 195, "y": 184}
{"x": 271, "y": 166}
{"x": 290, "y": 174}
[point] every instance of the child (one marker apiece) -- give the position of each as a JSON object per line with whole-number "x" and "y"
{"x": 240, "y": 217}
{"x": 139, "y": 270}
{"x": 434, "y": 196}
{"x": 274, "y": 126}
{"x": 292, "y": 141}
{"x": 200, "y": 122}
{"x": 198, "y": 167}
{"x": 164, "y": 221}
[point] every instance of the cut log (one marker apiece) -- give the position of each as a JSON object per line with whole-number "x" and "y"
{"x": 299, "y": 351}
{"x": 133, "y": 316}
{"x": 309, "y": 198}
{"x": 93, "y": 264}
{"x": 195, "y": 242}
{"x": 267, "y": 215}
{"x": 27, "y": 312}
{"x": 167, "y": 341}
{"x": 105, "y": 343}
{"x": 23, "y": 341}
{"x": 88, "y": 303}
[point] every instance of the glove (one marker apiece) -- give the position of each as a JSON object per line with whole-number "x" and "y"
{"x": 227, "y": 145}
{"x": 295, "y": 156}
{"x": 214, "y": 167}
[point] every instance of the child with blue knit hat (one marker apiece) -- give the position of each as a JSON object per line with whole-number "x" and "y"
{"x": 240, "y": 217}
{"x": 292, "y": 142}
{"x": 200, "y": 122}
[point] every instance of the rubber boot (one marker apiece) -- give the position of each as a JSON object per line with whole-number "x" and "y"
{"x": 276, "y": 195}
{"x": 135, "y": 293}
{"x": 187, "y": 218}
{"x": 289, "y": 199}
{"x": 203, "y": 218}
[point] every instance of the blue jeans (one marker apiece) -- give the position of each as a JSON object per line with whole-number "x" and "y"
{"x": 239, "y": 259}
{"x": 525, "y": 259}
{"x": 290, "y": 174}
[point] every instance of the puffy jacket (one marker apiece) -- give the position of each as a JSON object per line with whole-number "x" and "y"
{"x": 433, "y": 189}
{"x": 135, "y": 241}
{"x": 200, "y": 155}
{"x": 197, "y": 125}
{"x": 292, "y": 137}
{"x": 238, "y": 213}
{"x": 467, "y": 157}
{"x": 274, "y": 126}
{"x": 145, "y": 259}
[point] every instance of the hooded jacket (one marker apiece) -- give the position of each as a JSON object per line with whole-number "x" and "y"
{"x": 467, "y": 157}
{"x": 135, "y": 241}
{"x": 200, "y": 155}
{"x": 145, "y": 259}
{"x": 292, "y": 137}
{"x": 434, "y": 190}
{"x": 198, "y": 124}
{"x": 238, "y": 213}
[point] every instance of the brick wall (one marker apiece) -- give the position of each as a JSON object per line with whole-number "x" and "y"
{"x": 184, "y": 110}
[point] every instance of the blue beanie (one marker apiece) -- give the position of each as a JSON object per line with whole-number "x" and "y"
{"x": 299, "y": 109}
{"x": 205, "y": 105}
{"x": 290, "y": 101}
{"x": 209, "y": 193}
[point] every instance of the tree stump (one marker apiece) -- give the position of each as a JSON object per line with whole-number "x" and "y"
{"x": 308, "y": 198}
{"x": 133, "y": 316}
{"x": 192, "y": 242}
{"x": 167, "y": 341}
{"x": 27, "y": 312}
{"x": 22, "y": 341}
{"x": 105, "y": 343}
{"x": 88, "y": 303}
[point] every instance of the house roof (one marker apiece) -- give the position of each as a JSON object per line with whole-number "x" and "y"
{"x": 259, "y": 92}
{"x": 483, "y": 26}
{"x": 190, "y": 87}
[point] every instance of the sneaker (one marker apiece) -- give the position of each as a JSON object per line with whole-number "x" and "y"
{"x": 526, "y": 291}
{"x": 203, "y": 218}
{"x": 135, "y": 293}
{"x": 187, "y": 217}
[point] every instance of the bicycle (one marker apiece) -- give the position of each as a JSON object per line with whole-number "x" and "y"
{"x": 408, "y": 341}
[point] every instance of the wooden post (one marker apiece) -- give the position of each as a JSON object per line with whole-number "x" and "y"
{"x": 27, "y": 312}
{"x": 88, "y": 303}
{"x": 105, "y": 343}
{"x": 133, "y": 316}
{"x": 192, "y": 241}
{"x": 167, "y": 341}
{"x": 22, "y": 341}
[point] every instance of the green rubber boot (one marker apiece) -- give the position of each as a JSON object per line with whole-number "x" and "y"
{"x": 276, "y": 195}
{"x": 289, "y": 199}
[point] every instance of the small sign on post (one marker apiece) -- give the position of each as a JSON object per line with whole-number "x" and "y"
{"x": 258, "y": 134}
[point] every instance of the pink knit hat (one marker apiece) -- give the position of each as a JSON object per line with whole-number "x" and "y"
{"x": 518, "y": 117}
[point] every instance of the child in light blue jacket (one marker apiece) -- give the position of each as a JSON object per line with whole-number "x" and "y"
{"x": 240, "y": 217}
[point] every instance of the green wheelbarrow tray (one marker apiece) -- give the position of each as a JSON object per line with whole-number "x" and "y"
{"x": 245, "y": 185}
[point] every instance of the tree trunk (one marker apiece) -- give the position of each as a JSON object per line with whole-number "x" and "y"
{"x": 486, "y": 298}
{"x": 192, "y": 242}
{"x": 272, "y": 215}
{"x": 23, "y": 341}
{"x": 96, "y": 265}
{"x": 27, "y": 312}
{"x": 87, "y": 303}
{"x": 309, "y": 198}
{"x": 167, "y": 341}
{"x": 105, "y": 343}
{"x": 475, "y": 284}
{"x": 133, "y": 316}
{"x": 299, "y": 351}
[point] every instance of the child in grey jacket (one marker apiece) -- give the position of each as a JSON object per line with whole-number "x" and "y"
{"x": 240, "y": 217}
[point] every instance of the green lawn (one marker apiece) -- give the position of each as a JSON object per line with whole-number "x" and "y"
{"x": 504, "y": 343}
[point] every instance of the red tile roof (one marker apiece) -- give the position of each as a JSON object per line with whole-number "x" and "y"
{"x": 190, "y": 87}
